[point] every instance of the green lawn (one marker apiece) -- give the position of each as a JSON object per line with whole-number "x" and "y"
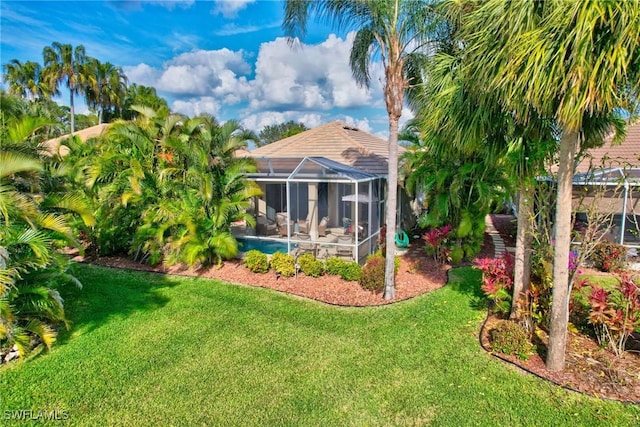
{"x": 147, "y": 349}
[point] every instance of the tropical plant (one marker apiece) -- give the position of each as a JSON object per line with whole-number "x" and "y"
{"x": 31, "y": 269}
{"x": 272, "y": 133}
{"x": 139, "y": 95}
{"x": 497, "y": 281}
{"x": 106, "y": 86}
{"x": 573, "y": 61}
{"x": 64, "y": 64}
{"x": 167, "y": 187}
{"x": 25, "y": 79}
{"x": 398, "y": 32}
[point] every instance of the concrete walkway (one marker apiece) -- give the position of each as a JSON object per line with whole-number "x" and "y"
{"x": 498, "y": 243}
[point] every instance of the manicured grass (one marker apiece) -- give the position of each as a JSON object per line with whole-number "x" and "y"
{"x": 153, "y": 350}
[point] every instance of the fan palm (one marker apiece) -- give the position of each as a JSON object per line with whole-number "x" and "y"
{"x": 395, "y": 31}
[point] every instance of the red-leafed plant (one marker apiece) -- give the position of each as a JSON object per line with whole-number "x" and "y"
{"x": 615, "y": 313}
{"x": 497, "y": 281}
{"x": 435, "y": 240}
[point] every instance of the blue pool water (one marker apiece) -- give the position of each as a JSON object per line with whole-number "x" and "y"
{"x": 264, "y": 246}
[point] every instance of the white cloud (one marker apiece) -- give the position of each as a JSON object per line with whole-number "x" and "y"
{"x": 312, "y": 84}
{"x": 142, "y": 74}
{"x": 311, "y": 77}
{"x": 230, "y": 8}
{"x": 217, "y": 73}
{"x": 362, "y": 124}
{"x": 196, "y": 106}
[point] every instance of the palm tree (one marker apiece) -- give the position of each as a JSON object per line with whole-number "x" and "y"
{"x": 573, "y": 61}
{"x": 64, "y": 64}
{"x": 30, "y": 304}
{"x": 395, "y": 31}
{"x": 25, "y": 80}
{"x": 106, "y": 86}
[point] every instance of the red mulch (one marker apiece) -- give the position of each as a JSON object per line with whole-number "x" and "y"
{"x": 590, "y": 369}
{"x": 417, "y": 275}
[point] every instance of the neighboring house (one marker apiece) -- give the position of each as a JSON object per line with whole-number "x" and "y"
{"x": 608, "y": 178}
{"x": 54, "y": 146}
{"x": 323, "y": 192}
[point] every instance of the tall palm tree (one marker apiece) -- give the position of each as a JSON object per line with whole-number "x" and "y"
{"x": 396, "y": 32}
{"x": 570, "y": 60}
{"x": 25, "y": 80}
{"x": 106, "y": 86}
{"x": 64, "y": 64}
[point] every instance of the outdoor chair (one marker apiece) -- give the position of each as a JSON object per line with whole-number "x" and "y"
{"x": 281, "y": 221}
{"x": 345, "y": 251}
{"x": 264, "y": 227}
{"x": 322, "y": 227}
{"x": 304, "y": 225}
{"x": 305, "y": 246}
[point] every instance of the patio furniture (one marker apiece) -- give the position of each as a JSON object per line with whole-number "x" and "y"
{"x": 322, "y": 227}
{"x": 305, "y": 246}
{"x": 281, "y": 221}
{"x": 345, "y": 251}
{"x": 304, "y": 225}
{"x": 265, "y": 227}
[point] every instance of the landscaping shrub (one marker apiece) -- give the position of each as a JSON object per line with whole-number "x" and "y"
{"x": 283, "y": 264}
{"x": 436, "y": 243}
{"x": 372, "y": 278}
{"x": 310, "y": 266}
{"x": 256, "y": 261}
{"x": 614, "y": 312}
{"x": 510, "y": 338}
{"x": 351, "y": 271}
{"x": 608, "y": 256}
{"x": 497, "y": 281}
{"x": 347, "y": 270}
{"x": 334, "y": 265}
{"x": 373, "y": 274}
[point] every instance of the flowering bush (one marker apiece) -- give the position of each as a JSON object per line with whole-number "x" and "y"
{"x": 435, "y": 243}
{"x": 615, "y": 313}
{"x": 497, "y": 280}
{"x": 609, "y": 256}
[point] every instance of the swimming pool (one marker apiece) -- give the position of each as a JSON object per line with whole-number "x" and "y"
{"x": 264, "y": 246}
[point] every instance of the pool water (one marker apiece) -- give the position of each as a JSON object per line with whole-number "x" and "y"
{"x": 264, "y": 246}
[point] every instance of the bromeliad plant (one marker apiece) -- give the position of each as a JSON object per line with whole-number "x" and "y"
{"x": 497, "y": 281}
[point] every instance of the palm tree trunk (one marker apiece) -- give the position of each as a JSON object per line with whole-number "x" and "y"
{"x": 522, "y": 267}
{"x": 73, "y": 118}
{"x": 392, "y": 202}
{"x": 561, "y": 286}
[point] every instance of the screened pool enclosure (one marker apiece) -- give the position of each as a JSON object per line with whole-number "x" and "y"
{"x": 613, "y": 191}
{"x": 316, "y": 205}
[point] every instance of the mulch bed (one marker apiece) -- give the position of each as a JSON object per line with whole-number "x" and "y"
{"x": 590, "y": 369}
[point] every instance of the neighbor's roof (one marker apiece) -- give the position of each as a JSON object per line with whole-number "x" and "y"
{"x": 625, "y": 155}
{"x": 53, "y": 145}
{"x": 335, "y": 141}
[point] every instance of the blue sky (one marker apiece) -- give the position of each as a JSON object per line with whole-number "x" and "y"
{"x": 227, "y": 58}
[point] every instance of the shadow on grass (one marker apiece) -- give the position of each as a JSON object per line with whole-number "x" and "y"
{"x": 108, "y": 293}
{"x": 466, "y": 281}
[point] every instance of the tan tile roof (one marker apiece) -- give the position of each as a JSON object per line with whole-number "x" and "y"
{"x": 336, "y": 141}
{"x": 53, "y": 145}
{"x": 626, "y": 154}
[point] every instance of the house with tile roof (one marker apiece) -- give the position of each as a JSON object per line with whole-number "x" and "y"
{"x": 608, "y": 177}
{"x": 323, "y": 192}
